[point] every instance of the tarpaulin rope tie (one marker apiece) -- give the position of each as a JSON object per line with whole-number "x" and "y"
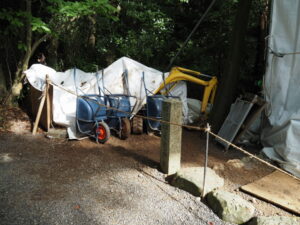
{"x": 282, "y": 54}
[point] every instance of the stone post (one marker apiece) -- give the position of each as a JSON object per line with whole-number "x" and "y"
{"x": 170, "y": 144}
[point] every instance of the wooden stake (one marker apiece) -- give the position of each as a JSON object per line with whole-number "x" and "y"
{"x": 205, "y": 162}
{"x": 48, "y": 108}
{"x": 38, "y": 116}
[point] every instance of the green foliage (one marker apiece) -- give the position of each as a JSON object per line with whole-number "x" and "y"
{"x": 39, "y": 26}
{"x": 85, "y": 8}
{"x": 22, "y": 46}
{"x": 143, "y": 33}
{"x": 79, "y": 9}
{"x": 98, "y": 32}
{"x": 17, "y": 20}
{"x": 13, "y": 17}
{"x": 12, "y": 20}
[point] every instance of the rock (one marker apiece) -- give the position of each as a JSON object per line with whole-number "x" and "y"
{"x": 191, "y": 180}
{"x": 219, "y": 166}
{"x": 56, "y": 133}
{"x": 5, "y": 157}
{"x": 16, "y": 89}
{"x": 230, "y": 207}
{"x": 249, "y": 163}
{"x": 236, "y": 163}
{"x": 253, "y": 200}
{"x": 274, "y": 220}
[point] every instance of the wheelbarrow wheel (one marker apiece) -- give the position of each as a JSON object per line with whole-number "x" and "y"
{"x": 102, "y": 132}
{"x": 137, "y": 125}
{"x": 125, "y": 128}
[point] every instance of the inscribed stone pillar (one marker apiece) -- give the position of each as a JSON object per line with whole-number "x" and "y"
{"x": 170, "y": 145}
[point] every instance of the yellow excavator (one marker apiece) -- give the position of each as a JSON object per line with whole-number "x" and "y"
{"x": 181, "y": 74}
{"x": 177, "y": 74}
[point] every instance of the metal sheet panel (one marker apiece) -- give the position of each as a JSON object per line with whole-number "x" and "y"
{"x": 237, "y": 115}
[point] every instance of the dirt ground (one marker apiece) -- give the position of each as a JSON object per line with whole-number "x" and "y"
{"x": 62, "y": 164}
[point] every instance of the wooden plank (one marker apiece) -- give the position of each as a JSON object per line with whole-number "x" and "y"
{"x": 34, "y": 102}
{"x": 44, "y": 112}
{"x": 277, "y": 188}
{"x": 38, "y": 116}
{"x": 48, "y": 107}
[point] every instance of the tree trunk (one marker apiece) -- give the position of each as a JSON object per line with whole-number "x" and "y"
{"x": 3, "y": 89}
{"x": 23, "y": 64}
{"x": 92, "y": 36}
{"x": 30, "y": 49}
{"x": 228, "y": 82}
{"x": 52, "y": 53}
{"x": 259, "y": 67}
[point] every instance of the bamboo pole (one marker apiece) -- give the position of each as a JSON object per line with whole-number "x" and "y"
{"x": 38, "y": 116}
{"x": 48, "y": 106}
{"x": 205, "y": 161}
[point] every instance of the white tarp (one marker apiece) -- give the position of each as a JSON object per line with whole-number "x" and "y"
{"x": 281, "y": 134}
{"x": 64, "y": 103}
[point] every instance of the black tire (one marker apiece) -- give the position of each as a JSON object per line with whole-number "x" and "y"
{"x": 125, "y": 129}
{"x": 137, "y": 125}
{"x": 102, "y": 132}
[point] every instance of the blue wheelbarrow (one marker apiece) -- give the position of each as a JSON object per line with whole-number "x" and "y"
{"x": 119, "y": 110}
{"x": 91, "y": 113}
{"x": 153, "y": 108}
{"x": 90, "y": 117}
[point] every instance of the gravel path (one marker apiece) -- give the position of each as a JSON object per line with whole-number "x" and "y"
{"x": 53, "y": 181}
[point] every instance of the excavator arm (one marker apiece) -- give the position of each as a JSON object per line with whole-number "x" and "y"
{"x": 181, "y": 74}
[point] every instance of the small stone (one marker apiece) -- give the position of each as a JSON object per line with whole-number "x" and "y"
{"x": 246, "y": 159}
{"x": 56, "y": 133}
{"x": 274, "y": 220}
{"x": 253, "y": 200}
{"x": 236, "y": 163}
{"x": 230, "y": 207}
{"x": 218, "y": 166}
{"x": 77, "y": 207}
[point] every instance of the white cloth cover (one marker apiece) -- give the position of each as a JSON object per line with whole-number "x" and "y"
{"x": 64, "y": 103}
{"x": 281, "y": 134}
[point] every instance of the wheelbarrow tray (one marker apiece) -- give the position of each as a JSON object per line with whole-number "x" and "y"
{"x": 90, "y": 110}
{"x": 154, "y": 109}
{"x": 120, "y": 106}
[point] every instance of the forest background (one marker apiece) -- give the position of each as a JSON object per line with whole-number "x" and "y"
{"x": 90, "y": 34}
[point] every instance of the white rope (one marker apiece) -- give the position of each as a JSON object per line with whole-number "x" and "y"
{"x": 205, "y": 160}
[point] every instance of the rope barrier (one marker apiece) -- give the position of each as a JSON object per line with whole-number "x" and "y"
{"x": 253, "y": 156}
{"x": 206, "y": 129}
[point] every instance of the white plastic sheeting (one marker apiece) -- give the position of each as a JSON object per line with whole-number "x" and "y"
{"x": 64, "y": 103}
{"x": 180, "y": 90}
{"x": 281, "y": 134}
